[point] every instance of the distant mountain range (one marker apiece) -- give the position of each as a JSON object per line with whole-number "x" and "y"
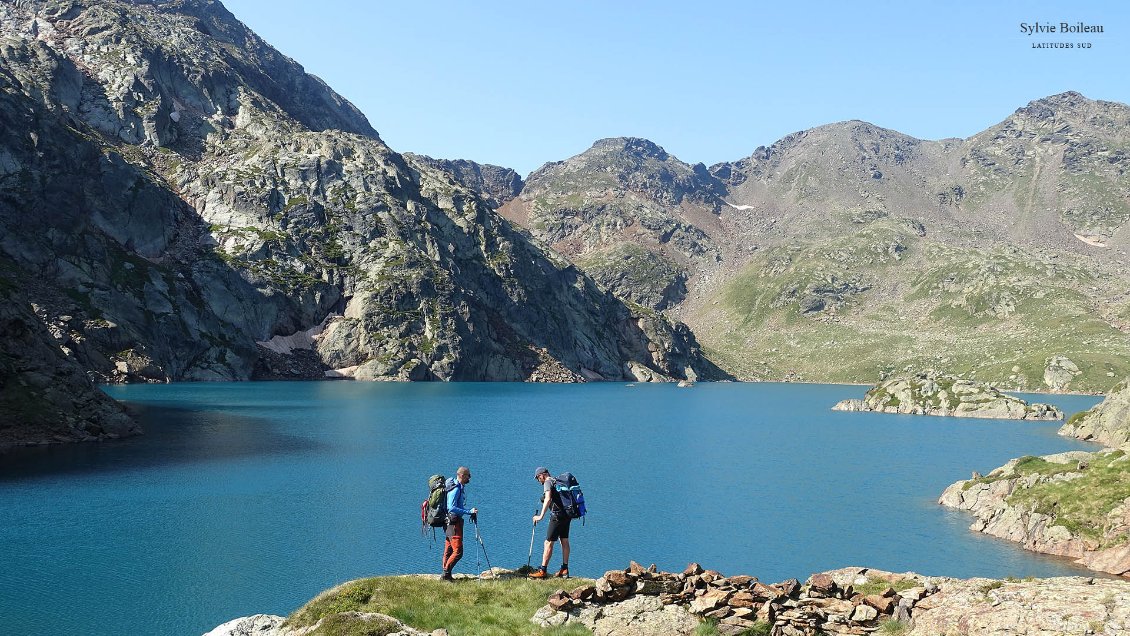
{"x": 179, "y": 201}
{"x": 849, "y": 252}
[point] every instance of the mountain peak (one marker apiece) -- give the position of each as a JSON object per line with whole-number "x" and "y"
{"x": 635, "y": 146}
{"x": 1052, "y": 105}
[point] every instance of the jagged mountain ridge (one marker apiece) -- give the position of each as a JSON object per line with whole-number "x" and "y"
{"x": 180, "y": 201}
{"x": 833, "y": 240}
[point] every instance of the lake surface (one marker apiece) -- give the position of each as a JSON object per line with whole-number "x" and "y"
{"x": 253, "y": 497}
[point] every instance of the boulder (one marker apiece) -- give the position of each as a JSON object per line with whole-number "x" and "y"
{"x": 882, "y": 604}
{"x": 864, "y": 613}
{"x": 1059, "y": 373}
{"x": 560, "y": 601}
{"x": 820, "y": 585}
{"x": 708, "y": 601}
{"x": 257, "y": 625}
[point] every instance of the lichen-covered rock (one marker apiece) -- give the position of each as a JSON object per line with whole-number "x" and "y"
{"x": 1059, "y": 373}
{"x": 1063, "y": 605}
{"x": 636, "y": 616}
{"x": 337, "y": 623}
{"x": 932, "y": 394}
{"x": 1107, "y": 423}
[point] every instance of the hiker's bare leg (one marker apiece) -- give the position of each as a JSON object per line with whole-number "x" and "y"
{"x": 546, "y": 553}
{"x": 564, "y": 550}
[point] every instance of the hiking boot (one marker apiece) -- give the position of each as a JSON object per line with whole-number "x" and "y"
{"x": 538, "y": 574}
{"x": 446, "y": 576}
{"x": 563, "y": 573}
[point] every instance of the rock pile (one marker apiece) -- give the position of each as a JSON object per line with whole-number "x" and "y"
{"x": 826, "y": 604}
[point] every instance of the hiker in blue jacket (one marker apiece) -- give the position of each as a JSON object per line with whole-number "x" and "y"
{"x": 453, "y": 532}
{"x": 558, "y": 525}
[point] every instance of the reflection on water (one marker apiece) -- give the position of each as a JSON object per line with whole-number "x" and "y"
{"x": 172, "y": 436}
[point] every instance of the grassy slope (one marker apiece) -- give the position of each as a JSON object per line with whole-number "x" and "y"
{"x": 1081, "y": 504}
{"x": 900, "y": 301}
{"x": 466, "y": 607}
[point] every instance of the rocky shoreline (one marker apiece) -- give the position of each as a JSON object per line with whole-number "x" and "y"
{"x": 639, "y": 601}
{"x": 1003, "y": 507}
{"x": 1074, "y": 504}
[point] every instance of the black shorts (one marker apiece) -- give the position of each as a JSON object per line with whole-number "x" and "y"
{"x": 558, "y": 527}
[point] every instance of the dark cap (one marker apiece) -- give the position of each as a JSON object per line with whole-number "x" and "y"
{"x": 542, "y": 470}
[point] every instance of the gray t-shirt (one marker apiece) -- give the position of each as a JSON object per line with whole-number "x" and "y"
{"x": 549, "y": 486}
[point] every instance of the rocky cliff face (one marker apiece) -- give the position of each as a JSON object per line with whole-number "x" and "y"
{"x": 1107, "y": 423}
{"x": 849, "y": 252}
{"x": 941, "y": 395}
{"x": 44, "y": 395}
{"x": 186, "y": 197}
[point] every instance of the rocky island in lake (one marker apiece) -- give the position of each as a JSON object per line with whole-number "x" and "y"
{"x": 929, "y": 394}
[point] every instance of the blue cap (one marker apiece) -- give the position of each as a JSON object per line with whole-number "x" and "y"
{"x": 542, "y": 470}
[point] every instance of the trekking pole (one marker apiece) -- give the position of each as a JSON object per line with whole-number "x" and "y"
{"x": 533, "y": 526}
{"x": 483, "y": 545}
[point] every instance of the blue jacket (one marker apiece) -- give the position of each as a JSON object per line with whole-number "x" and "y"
{"x": 456, "y": 501}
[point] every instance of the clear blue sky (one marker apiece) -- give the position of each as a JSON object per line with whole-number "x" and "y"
{"x": 518, "y": 84}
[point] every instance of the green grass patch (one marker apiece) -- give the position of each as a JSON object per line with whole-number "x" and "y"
{"x": 876, "y": 585}
{"x": 472, "y": 608}
{"x": 1082, "y": 504}
{"x": 891, "y": 627}
{"x": 985, "y": 588}
{"x": 1026, "y": 465}
{"x": 709, "y": 627}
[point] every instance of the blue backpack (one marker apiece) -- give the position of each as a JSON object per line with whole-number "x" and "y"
{"x": 569, "y": 492}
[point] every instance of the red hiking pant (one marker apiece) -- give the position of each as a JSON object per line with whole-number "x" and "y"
{"x": 453, "y": 544}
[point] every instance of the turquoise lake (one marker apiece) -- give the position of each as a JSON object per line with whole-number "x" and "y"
{"x": 249, "y": 498}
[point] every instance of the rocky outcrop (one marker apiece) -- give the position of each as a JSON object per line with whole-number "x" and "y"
{"x": 929, "y": 394}
{"x": 1107, "y": 423}
{"x": 1070, "y": 504}
{"x": 1061, "y": 605}
{"x": 1059, "y": 373}
{"x": 495, "y": 184}
{"x": 44, "y": 396}
{"x": 361, "y": 622}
